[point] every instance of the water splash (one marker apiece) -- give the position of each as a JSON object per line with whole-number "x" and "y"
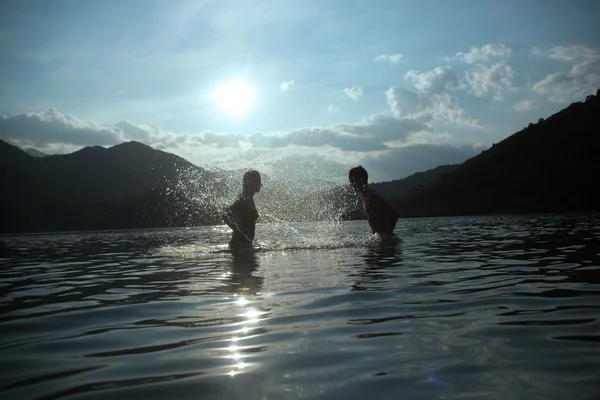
{"x": 199, "y": 196}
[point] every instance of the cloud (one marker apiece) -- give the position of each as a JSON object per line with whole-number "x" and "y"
{"x": 582, "y": 79}
{"x": 570, "y": 53}
{"x": 526, "y": 105}
{"x": 483, "y": 53}
{"x": 53, "y": 127}
{"x": 391, "y": 58}
{"x": 285, "y": 86}
{"x": 369, "y": 134}
{"x": 409, "y": 103}
{"x": 434, "y": 81}
{"x": 430, "y": 99}
{"x": 217, "y": 140}
{"x": 355, "y": 92}
{"x": 495, "y": 79}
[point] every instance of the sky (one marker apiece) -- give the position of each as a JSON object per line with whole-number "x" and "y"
{"x": 305, "y": 87}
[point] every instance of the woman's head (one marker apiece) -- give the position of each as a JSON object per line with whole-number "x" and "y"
{"x": 252, "y": 181}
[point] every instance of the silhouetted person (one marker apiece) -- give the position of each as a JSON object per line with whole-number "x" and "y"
{"x": 241, "y": 216}
{"x": 381, "y": 216}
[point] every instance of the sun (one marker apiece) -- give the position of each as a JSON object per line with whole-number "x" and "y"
{"x": 234, "y": 98}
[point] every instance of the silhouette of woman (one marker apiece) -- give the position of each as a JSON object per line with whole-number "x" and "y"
{"x": 241, "y": 216}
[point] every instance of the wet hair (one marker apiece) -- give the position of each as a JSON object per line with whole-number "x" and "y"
{"x": 358, "y": 173}
{"x": 251, "y": 176}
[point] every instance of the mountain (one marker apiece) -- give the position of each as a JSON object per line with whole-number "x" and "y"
{"x": 550, "y": 166}
{"x": 122, "y": 171}
{"x": 35, "y": 153}
{"x": 401, "y": 187}
{"x": 92, "y": 188}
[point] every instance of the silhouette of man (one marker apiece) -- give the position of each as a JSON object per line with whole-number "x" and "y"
{"x": 381, "y": 216}
{"x": 241, "y": 216}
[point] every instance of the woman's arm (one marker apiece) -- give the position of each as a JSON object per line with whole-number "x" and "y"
{"x": 231, "y": 215}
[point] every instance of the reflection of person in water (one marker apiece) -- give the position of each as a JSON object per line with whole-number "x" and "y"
{"x": 381, "y": 216}
{"x": 241, "y": 216}
{"x": 245, "y": 263}
{"x": 377, "y": 261}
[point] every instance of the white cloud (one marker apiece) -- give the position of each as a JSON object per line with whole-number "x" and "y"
{"x": 483, "y": 53}
{"x": 430, "y": 98}
{"x": 391, "y": 58}
{"x": 582, "y": 79}
{"x": 495, "y": 79}
{"x": 369, "y": 134}
{"x": 434, "y": 81}
{"x": 286, "y": 85}
{"x": 526, "y": 105}
{"x": 410, "y": 103}
{"x": 570, "y": 53}
{"x": 53, "y": 127}
{"x": 355, "y": 92}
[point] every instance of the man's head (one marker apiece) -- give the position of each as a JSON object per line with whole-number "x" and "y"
{"x": 252, "y": 182}
{"x": 358, "y": 178}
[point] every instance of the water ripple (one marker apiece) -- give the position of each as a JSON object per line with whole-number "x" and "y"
{"x": 481, "y": 307}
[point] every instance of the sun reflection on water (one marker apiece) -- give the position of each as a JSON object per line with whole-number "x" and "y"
{"x": 235, "y": 347}
{"x": 242, "y": 301}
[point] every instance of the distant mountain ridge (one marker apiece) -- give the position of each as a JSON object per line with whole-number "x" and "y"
{"x": 550, "y": 166}
{"x": 35, "y": 153}
{"x": 401, "y": 187}
{"x": 88, "y": 189}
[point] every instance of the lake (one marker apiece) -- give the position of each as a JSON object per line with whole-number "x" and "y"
{"x": 463, "y": 308}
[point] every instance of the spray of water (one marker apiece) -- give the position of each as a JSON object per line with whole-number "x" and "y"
{"x": 199, "y": 196}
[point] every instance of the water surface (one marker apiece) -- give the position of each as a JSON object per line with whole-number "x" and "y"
{"x": 477, "y": 308}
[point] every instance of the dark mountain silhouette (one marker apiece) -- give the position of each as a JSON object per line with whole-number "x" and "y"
{"x": 160, "y": 208}
{"x": 129, "y": 185}
{"x": 13, "y": 156}
{"x": 401, "y": 187}
{"x": 119, "y": 172}
{"x": 550, "y": 166}
{"x": 35, "y": 152}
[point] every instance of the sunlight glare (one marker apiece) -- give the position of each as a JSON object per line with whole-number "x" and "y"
{"x": 252, "y": 315}
{"x": 242, "y": 301}
{"x": 245, "y": 329}
{"x": 234, "y": 98}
